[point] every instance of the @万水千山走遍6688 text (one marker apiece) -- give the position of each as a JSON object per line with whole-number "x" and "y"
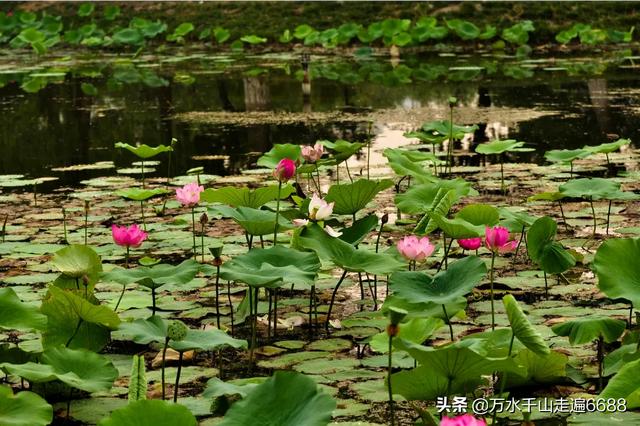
{"x": 483, "y": 406}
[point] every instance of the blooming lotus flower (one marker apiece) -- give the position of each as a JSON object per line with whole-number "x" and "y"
{"x": 285, "y": 170}
{"x": 470, "y": 243}
{"x": 311, "y": 154}
{"x": 464, "y": 420}
{"x": 497, "y": 240}
{"x": 414, "y": 248}
{"x": 319, "y": 209}
{"x": 131, "y": 236}
{"x": 189, "y": 195}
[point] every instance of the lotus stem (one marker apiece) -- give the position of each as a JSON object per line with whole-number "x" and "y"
{"x": 164, "y": 357}
{"x": 275, "y": 313}
{"x": 142, "y": 170}
{"x": 193, "y": 229}
{"x": 333, "y": 298}
{"x": 319, "y": 184}
{"x": 311, "y": 296}
{"x": 64, "y": 226}
{"x": 144, "y": 223}
{"x": 253, "y": 314}
{"x": 446, "y": 317}
{"x": 571, "y": 170}
{"x": 502, "y": 175}
{"x": 546, "y": 286}
{"x": 346, "y": 164}
{"x": 153, "y": 300}
{"x": 74, "y": 333}
{"x": 175, "y": 389}
{"x": 608, "y": 216}
{"x": 493, "y": 314}
{"x": 450, "y": 147}
{"x": 503, "y": 381}
{"x": 275, "y": 227}
{"x": 35, "y": 193}
{"x": 600, "y": 356}
{"x": 389, "y": 388}
{"x": 593, "y": 211}
{"x": 369, "y": 140}
{"x": 515, "y": 255}
{"x": 218, "y": 296}
{"x": 230, "y": 304}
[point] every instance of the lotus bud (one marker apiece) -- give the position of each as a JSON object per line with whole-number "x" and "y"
{"x": 177, "y": 330}
{"x": 384, "y": 219}
{"x": 396, "y": 315}
{"x": 85, "y": 280}
{"x": 86, "y": 207}
{"x": 216, "y": 252}
{"x": 452, "y": 101}
{"x": 204, "y": 219}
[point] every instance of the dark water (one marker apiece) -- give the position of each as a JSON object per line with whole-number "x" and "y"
{"x": 65, "y": 111}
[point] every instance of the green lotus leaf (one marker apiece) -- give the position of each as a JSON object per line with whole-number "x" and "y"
{"x": 342, "y": 150}
{"x": 442, "y": 203}
{"x": 217, "y": 388}
{"x": 590, "y": 188}
{"x": 607, "y": 148}
{"x": 76, "y": 261}
{"x": 587, "y": 329}
{"x": 359, "y": 230}
{"x": 17, "y": 315}
{"x": 144, "y": 151}
{"x": 416, "y": 330}
{"x": 464, "y": 29}
{"x": 79, "y": 368}
{"x": 145, "y": 331}
{"x": 272, "y": 267}
{"x": 544, "y": 251}
{"x": 207, "y": 340}
{"x": 347, "y": 256}
{"x": 271, "y": 158}
{"x": 448, "y": 370}
{"x": 618, "y": 274}
{"x": 155, "y": 276}
{"x": 253, "y": 39}
{"x": 445, "y": 287}
{"x": 285, "y": 399}
{"x": 565, "y": 156}
{"x": 419, "y": 198}
{"x": 456, "y": 228}
{"x": 424, "y": 310}
{"x": 403, "y": 165}
{"x": 514, "y": 220}
{"x": 350, "y": 198}
{"x": 443, "y": 128}
{"x": 151, "y": 412}
{"x": 23, "y": 409}
{"x": 139, "y": 194}
{"x": 479, "y": 214}
{"x": 522, "y": 328}
{"x": 625, "y": 385}
{"x": 138, "y": 385}
{"x": 245, "y": 197}
{"x": 254, "y": 221}
{"x": 76, "y": 322}
{"x": 500, "y": 146}
{"x": 540, "y": 369}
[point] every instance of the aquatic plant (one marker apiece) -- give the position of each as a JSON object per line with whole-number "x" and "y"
{"x": 189, "y": 196}
{"x": 496, "y": 239}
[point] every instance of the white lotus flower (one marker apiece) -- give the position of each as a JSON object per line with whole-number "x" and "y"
{"x": 319, "y": 209}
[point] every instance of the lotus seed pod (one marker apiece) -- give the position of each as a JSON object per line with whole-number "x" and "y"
{"x": 177, "y": 330}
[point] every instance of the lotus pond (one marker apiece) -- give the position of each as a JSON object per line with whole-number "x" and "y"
{"x": 195, "y": 237}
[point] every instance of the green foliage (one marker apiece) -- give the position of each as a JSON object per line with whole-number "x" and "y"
{"x": 23, "y": 409}
{"x": 588, "y": 329}
{"x": 144, "y": 151}
{"x": 550, "y": 255}
{"x": 519, "y": 33}
{"x": 78, "y": 368}
{"x": 139, "y": 194}
{"x": 457, "y": 228}
{"x": 617, "y": 271}
{"x": 271, "y": 158}
{"x": 137, "y": 380}
{"x": 352, "y": 197}
{"x": 566, "y": 156}
{"x": 607, "y": 148}
{"x": 285, "y": 399}
{"x": 255, "y": 221}
{"x": 155, "y": 276}
{"x": 625, "y": 385}
{"x": 445, "y": 287}
{"x": 479, "y": 214}
{"x": 522, "y": 328}
{"x": 464, "y": 29}
{"x": 245, "y": 197}
{"x": 416, "y": 330}
{"x": 272, "y": 267}
{"x": 345, "y": 255}
{"x": 540, "y": 369}
{"x": 17, "y": 315}
{"x": 76, "y": 322}
{"x": 590, "y": 188}
{"x": 151, "y": 412}
{"x": 501, "y": 146}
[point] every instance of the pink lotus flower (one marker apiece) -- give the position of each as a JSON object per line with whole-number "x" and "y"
{"x": 285, "y": 170}
{"x": 189, "y": 195}
{"x": 299, "y": 223}
{"x": 496, "y": 239}
{"x": 412, "y": 248}
{"x": 464, "y": 420}
{"x": 311, "y": 154}
{"x": 470, "y": 243}
{"x": 319, "y": 209}
{"x": 131, "y": 236}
